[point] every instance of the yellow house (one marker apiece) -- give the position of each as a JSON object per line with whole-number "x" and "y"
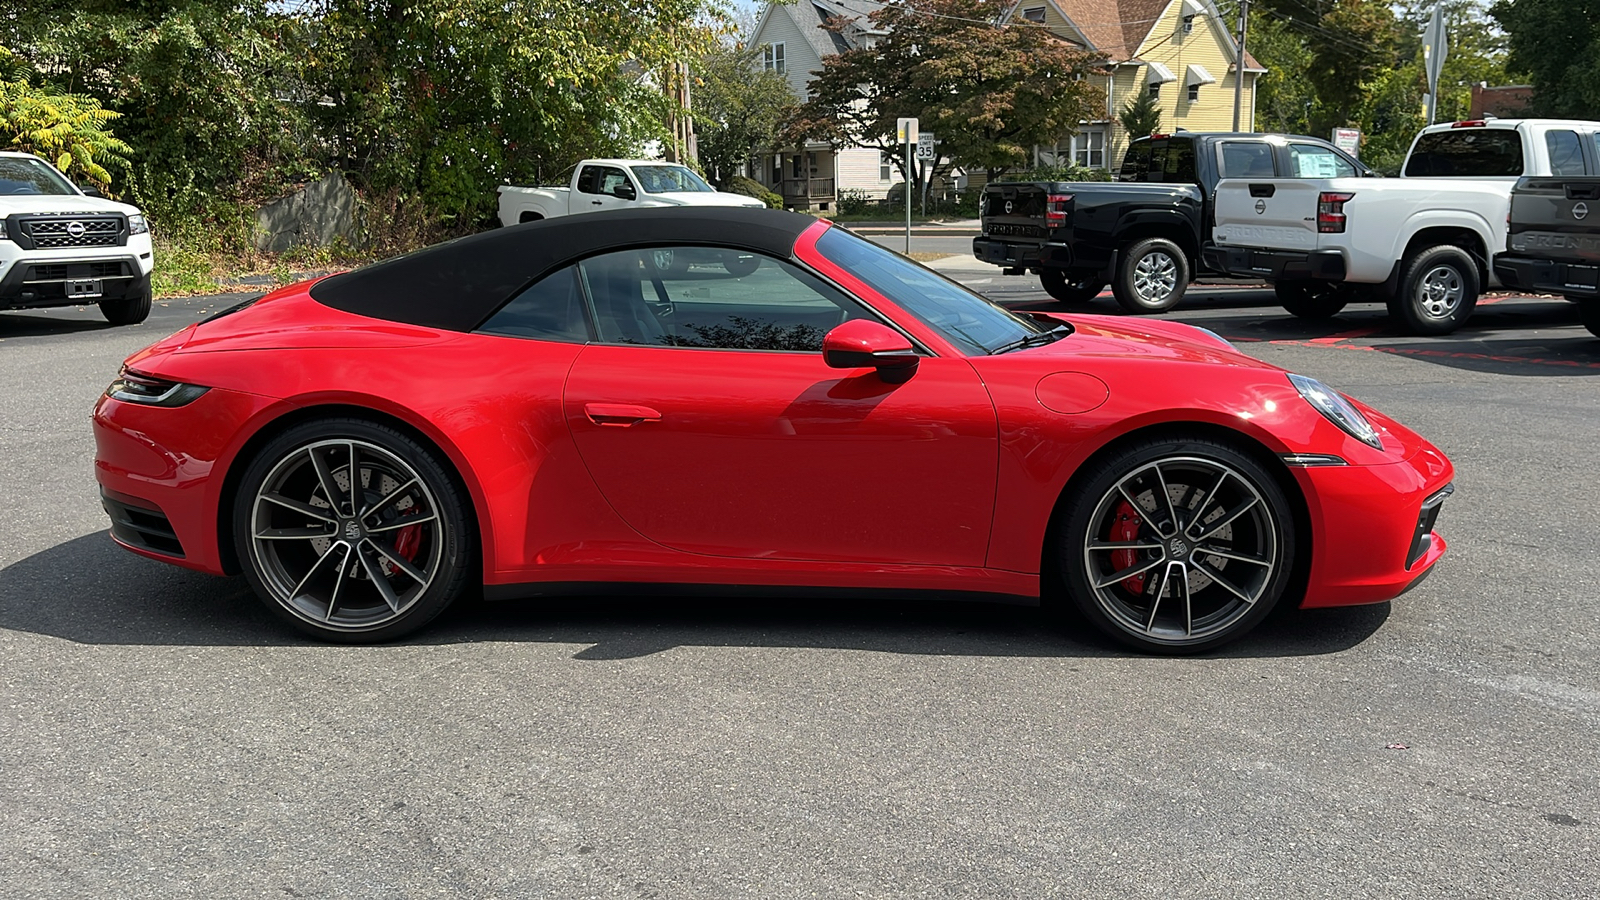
{"x": 1181, "y": 51}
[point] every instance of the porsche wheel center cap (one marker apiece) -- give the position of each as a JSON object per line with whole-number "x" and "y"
{"x": 1178, "y": 549}
{"x": 352, "y": 530}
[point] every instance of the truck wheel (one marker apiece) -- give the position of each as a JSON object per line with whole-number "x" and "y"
{"x": 1438, "y": 289}
{"x": 1070, "y": 287}
{"x": 1589, "y": 313}
{"x": 1152, "y": 276}
{"x": 1311, "y": 299}
{"x": 130, "y": 310}
{"x": 669, "y": 262}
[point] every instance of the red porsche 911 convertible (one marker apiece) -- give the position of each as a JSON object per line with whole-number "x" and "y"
{"x": 728, "y": 397}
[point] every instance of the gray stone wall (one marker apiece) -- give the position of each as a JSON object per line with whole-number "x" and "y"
{"x": 313, "y": 216}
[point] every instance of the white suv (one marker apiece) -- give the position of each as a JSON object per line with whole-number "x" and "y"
{"x": 62, "y": 246}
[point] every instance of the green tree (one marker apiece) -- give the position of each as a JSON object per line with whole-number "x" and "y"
{"x": 1556, "y": 43}
{"x": 1142, "y": 115}
{"x": 739, "y": 108}
{"x": 991, "y": 93}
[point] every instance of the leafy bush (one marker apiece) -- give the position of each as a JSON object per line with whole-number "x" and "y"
{"x": 752, "y": 188}
{"x": 855, "y": 203}
{"x": 69, "y": 130}
{"x": 1059, "y": 173}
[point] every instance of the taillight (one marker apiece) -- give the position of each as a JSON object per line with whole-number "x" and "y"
{"x": 1473, "y": 123}
{"x": 1330, "y": 212}
{"x": 1055, "y": 210}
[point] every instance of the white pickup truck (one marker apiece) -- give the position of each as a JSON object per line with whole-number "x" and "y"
{"x": 601, "y": 184}
{"x": 61, "y": 245}
{"x": 1423, "y": 243}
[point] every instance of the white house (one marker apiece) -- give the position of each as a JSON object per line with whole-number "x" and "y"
{"x": 793, "y": 43}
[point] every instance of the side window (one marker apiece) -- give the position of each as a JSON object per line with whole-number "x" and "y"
{"x": 1315, "y": 161}
{"x": 1179, "y": 168}
{"x": 1247, "y": 159}
{"x": 1136, "y": 162}
{"x": 711, "y": 298}
{"x": 611, "y": 178}
{"x": 550, "y": 309}
{"x": 589, "y": 180}
{"x": 1566, "y": 152}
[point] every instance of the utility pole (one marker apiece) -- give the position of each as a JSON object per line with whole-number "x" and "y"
{"x": 1238, "y": 72}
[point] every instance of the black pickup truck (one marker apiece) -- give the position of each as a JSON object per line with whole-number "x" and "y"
{"x": 1142, "y": 234}
{"x": 1553, "y": 243}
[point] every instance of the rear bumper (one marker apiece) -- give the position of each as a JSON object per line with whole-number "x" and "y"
{"x": 1276, "y": 265}
{"x": 1021, "y": 254}
{"x": 1547, "y": 276}
{"x": 1373, "y": 528}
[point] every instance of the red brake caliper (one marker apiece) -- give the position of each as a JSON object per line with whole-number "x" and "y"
{"x": 407, "y": 541}
{"x": 1126, "y": 528}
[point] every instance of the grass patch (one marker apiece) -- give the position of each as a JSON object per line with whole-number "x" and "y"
{"x": 924, "y": 256}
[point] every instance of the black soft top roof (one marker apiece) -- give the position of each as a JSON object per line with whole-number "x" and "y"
{"x": 458, "y": 284}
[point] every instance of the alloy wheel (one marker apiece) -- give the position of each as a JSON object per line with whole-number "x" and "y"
{"x": 1155, "y": 276}
{"x": 345, "y": 534}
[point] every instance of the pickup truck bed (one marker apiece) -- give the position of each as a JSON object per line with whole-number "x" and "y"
{"x": 1554, "y": 242}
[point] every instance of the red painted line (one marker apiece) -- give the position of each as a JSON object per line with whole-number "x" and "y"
{"x": 1345, "y": 335}
{"x": 1449, "y": 354}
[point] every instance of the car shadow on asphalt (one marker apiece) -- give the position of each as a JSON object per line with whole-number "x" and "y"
{"x": 89, "y": 591}
{"x": 16, "y": 326}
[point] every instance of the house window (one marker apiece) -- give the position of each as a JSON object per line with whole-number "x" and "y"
{"x": 1194, "y": 93}
{"x": 1089, "y": 149}
{"x": 1155, "y": 90}
{"x": 885, "y": 167}
{"x": 1034, "y": 14}
{"x": 772, "y": 57}
{"x": 1188, "y": 24}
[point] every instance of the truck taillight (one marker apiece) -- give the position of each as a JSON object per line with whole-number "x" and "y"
{"x": 1330, "y": 212}
{"x": 1055, "y": 210}
{"x": 1471, "y": 123}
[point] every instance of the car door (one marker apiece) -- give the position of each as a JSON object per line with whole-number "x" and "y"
{"x": 605, "y": 187}
{"x": 709, "y": 421}
{"x": 1256, "y": 206}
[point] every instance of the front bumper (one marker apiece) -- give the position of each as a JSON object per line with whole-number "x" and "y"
{"x": 40, "y": 280}
{"x": 1276, "y": 265}
{"x": 1547, "y": 276}
{"x": 1373, "y": 527}
{"x": 161, "y": 472}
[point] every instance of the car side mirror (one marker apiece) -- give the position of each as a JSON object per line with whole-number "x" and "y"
{"x": 90, "y": 190}
{"x": 860, "y": 343}
{"x": 625, "y": 191}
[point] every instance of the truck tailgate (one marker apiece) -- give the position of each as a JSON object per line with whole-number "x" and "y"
{"x": 1269, "y": 213}
{"x": 1014, "y": 210}
{"x": 1550, "y": 219}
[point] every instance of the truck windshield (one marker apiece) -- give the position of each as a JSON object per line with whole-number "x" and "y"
{"x": 963, "y": 318}
{"x": 1467, "y": 153}
{"x": 669, "y": 180}
{"x": 24, "y": 175}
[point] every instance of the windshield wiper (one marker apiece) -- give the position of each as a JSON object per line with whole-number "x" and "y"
{"x": 1035, "y": 340}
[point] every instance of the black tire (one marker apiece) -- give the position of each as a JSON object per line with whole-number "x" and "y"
{"x": 1311, "y": 299}
{"x": 740, "y": 264}
{"x": 527, "y": 217}
{"x": 1152, "y": 276}
{"x": 1589, "y": 314}
{"x": 1437, "y": 291}
{"x": 1222, "y": 598}
{"x": 288, "y": 566}
{"x": 130, "y": 310}
{"x": 1071, "y": 287}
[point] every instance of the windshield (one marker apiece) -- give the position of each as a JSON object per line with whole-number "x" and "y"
{"x": 1467, "y": 153}
{"x": 669, "y": 180}
{"x": 963, "y": 318}
{"x": 25, "y": 175}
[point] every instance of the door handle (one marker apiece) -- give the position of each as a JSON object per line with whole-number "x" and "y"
{"x": 1263, "y": 190}
{"x": 620, "y": 415}
{"x": 595, "y": 203}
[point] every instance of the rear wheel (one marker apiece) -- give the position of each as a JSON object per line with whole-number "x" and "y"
{"x": 1589, "y": 313}
{"x": 1152, "y": 276}
{"x": 130, "y": 310}
{"x": 668, "y": 261}
{"x": 351, "y": 531}
{"x": 740, "y": 264}
{"x": 1069, "y": 286}
{"x": 1311, "y": 299}
{"x": 1438, "y": 290}
{"x": 1177, "y": 546}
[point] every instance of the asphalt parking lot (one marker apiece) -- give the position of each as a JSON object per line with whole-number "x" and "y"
{"x": 162, "y": 736}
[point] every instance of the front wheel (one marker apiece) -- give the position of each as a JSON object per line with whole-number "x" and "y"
{"x": 1177, "y": 546}
{"x": 130, "y": 310}
{"x": 1152, "y": 276}
{"x": 1437, "y": 291}
{"x": 1311, "y": 299}
{"x": 351, "y": 531}
{"x": 1071, "y": 287}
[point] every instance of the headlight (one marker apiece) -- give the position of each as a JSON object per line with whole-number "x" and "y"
{"x": 135, "y": 387}
{"x": 4, "y": 235}
{"x": 138, "y": 225}
{"x": 1337, "y": 409}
